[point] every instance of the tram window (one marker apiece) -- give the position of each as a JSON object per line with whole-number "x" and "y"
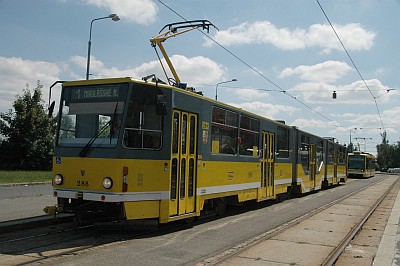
{"x": 143, "y": 122}
{"x": 191, "y": 178}
{"x": 249, "y": 136}
{"x": 370, "y": 163}
{"x": 175, "y": 135}
{"x": 192, "y": 135}
{"x": 305, "y": 157}
{"x": 320, "y": 156}
{"x": 225, "y": 138}
{"x": 184, "y": 133}
{"x": 224, "y": 131}
{"x": 174, "y": 178}
{"x": 283, "y": 142}
{"x": 342, "y": 155}
{"x": 330, "y": 152}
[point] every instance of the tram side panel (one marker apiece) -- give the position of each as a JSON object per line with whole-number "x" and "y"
{"x": 309, "y": 171}
{"x": 228, "y": 166}
{"x": 231, "y": 150}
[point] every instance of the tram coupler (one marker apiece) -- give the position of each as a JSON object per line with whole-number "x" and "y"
{"x": 53, "y": 210}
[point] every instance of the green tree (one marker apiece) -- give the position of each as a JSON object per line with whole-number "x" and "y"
{"x": 28, "y": 132}
{"x": 388, "y": 155}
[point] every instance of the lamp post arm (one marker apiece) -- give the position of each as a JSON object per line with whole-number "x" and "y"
{"x": 216, "y": 87}
{"x": 90, "y": 44}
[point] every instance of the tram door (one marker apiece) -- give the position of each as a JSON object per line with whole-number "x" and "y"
{"x": 267, "y": 165}
{"x": 183, "y": 163}
{"x": 313, "y": 164}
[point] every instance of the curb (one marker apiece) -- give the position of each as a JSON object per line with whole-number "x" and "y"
{"x": 25, "y": 184}
{"x": 38, "y": 221}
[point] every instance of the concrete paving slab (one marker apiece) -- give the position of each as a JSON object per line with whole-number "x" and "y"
{"x": 348, "y": 209}
{"x": 357, "y": 255}
{"x": 311, "y": 236}
{"x": 240, "y": 261}
{"x": 331, "y": 217}
{"x": 276, "y": 251}
{"x": 363, "y": 201}
{"x": 317, "y": 225}
{"x": 368, "y": 238}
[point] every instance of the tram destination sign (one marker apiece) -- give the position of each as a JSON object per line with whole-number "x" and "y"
{"x": 92, "y": 93}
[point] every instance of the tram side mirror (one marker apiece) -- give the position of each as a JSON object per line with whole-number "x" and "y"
{"x": 51, "y": 109}
{"x": 161, "y": 106}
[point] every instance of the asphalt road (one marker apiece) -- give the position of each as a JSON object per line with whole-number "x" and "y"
{"x": 22, "y": 201}
{"x": 189, "y": 245}
{"x": 184, "y": 246}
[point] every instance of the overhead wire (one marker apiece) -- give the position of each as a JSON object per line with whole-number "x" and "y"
{"x": 359, "y": 73}
{"x": 335, "y": 123}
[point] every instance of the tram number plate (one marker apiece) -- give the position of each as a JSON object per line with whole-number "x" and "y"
{"x": 82, "y": 183}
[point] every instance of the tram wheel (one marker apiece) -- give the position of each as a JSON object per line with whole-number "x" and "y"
{"x": 189, "y": 220}
{"x": 220, "y": 206}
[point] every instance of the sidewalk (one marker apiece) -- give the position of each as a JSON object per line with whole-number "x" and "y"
{"x": 389, "y": 248}
{"x": 308, "y": 242}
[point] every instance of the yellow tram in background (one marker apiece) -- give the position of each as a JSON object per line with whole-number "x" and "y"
{"x": 144, "y": 150}
{"x": 361, "y": 164}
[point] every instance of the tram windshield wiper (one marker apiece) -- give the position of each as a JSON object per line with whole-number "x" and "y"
{"x": 88, "y": 145}
{"x": 112, "y": 124}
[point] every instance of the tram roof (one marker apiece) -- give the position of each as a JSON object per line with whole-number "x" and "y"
{"x": 188, "y": 91}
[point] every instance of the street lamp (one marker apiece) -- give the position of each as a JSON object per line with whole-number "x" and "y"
{"x": 114, "y": 17}
{"x": 365, "y": 142}
{"x": 216, "y": 88}
{"x": 350, "y": 144}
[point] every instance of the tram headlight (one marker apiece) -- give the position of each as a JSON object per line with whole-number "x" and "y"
{"x": 107, "y": 182}
{"x": 58, "y": 179}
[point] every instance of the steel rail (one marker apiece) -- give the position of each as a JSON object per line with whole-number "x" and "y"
{"x": 334, "y": 255}
{"x": 231, "y": 252}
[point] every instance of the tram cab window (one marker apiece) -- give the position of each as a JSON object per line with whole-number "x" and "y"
{"x": 224, "y": 131}
{"x": 91, "y": 113}
{"x": 144, "y": 120}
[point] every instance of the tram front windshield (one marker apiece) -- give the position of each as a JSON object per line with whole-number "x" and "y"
{"x": 91, "y": 114}
{"x": 356, "y": 162}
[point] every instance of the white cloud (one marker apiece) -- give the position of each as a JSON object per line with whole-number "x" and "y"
{"x": 391, "y": 118}
{"x": 266, "y": 109}
{"x": 197, "y": 69}
{"x": 15, "y": 73}
{"x": 354, "y": 93}
{"x": 139, "y": 11}
{"x": 248, "y": 93}
{"x": 307, "y": 123}
{"x": 327, "y": 71}
{"x": 353, "y": 36}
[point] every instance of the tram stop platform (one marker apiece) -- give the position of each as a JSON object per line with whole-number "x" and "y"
{"x": 308, "y": 246}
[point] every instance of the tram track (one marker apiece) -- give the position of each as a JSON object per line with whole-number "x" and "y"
{"x": 63, "y": 242}
{"x": 43, "y": 245}
{"x": 230, "y": 256}
{"x": 334, "y": 255}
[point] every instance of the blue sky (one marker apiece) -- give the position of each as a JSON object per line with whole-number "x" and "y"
{"x": 287, "y": 42}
